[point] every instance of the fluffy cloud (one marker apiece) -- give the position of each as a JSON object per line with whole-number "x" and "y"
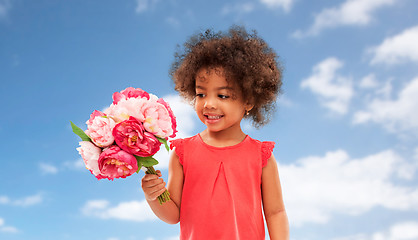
{"x": 5, "y": 228}
{"x": 4, "y": 200}
{"x": 239, "y": 8}
{"x": 317, "y": 187}
{"x": 131, "y": 211}
{"x": 163, "y": 158}
{"x": 396, "y": 115}
{"x": 399, "y": 231}
{"x": 350, "y": 12}
{"x": 48, "y": 168}
{"x": 75, "y": 165}
{"x": 368, "y": 82}
{"x": 173, "y": 21}
{"x": 169, "y": 238}
{"x": 5, "y": 6}
{"x": 286, "y": 5}
{"x": 398, "y": 48}
{"x": 144, "y": 5}
{"x": 334, "y": 91}
{"x": 22, "y": 202}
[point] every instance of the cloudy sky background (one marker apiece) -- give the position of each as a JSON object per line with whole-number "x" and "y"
{"x": 346, "y": 125}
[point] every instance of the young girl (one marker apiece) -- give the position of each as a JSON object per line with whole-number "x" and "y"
{"x": 221, "y": 180}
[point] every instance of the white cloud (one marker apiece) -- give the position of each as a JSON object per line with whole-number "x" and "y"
{"x": 286, "y": 5}
{"x": 405, "y": 230}
{"x": 163, "y": 158}
{"x": 416, "y": 154}
{"x": 246, "y": 126}
{"x": 169, "y": 238}
{"x": 400, "y": 231}
{"x": 5, "y": 228}
{"x": 173, "y": 238}
{"x": 317, "y": 187}
{"x": 396, "y": 115}
{"x": 350, "y": 12}
{"x": 23, "y": 202}
{"x": 8, "y": 229}
{"x": 284, "y": 101}
{"x": 397, "y": 49}
{"x": 173, "y": 21}
{"x": 48, "y": 168}
{"x": 369, "y": 81}
{"x": 141, "y": 6}
{"x": 4, "y": 200}
{"x": 75, "y": 165}
{"x": 384, "y": 90}
{"x": 239, "y": 8}
{"x": 144, "y": 5}
{"x": 334, "y": 91}
{"x": 29, "y": 201}
{"x": 131, "y": 211}
{"x": 5, "y": 6}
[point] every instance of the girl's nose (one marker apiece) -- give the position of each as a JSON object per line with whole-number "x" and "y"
{"x": 210, "y": 103}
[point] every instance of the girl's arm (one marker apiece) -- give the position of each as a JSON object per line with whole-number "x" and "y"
{"x": 273, "y": 205}
{"x": 153, "y": 186}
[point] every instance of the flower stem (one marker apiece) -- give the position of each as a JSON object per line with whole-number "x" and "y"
{"x": 165, "y": 196}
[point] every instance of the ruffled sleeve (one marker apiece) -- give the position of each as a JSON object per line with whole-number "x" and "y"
{"x": 266, "y": 150}
{"x": 178, "y": 144}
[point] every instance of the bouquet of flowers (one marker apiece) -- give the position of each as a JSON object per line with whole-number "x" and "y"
{"x": 123, "y": 139}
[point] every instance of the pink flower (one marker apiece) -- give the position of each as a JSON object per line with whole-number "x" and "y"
{"x": 94, "y": 115}
{"x": 116, "y": 163}
{"x": 90, "y": 154}
{"x": 129, "y": 92}
{"x": 156, "y": 119}
{"x": 99, "y": 129}
{"x": 131, "y": 136}
{"x": 126, "y": 108}
{"x": 171, "y": 114}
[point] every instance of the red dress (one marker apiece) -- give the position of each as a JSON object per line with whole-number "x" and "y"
{"x": 221, "y": 196}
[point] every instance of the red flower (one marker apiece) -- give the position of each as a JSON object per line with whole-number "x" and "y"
{"x": 115, "y": 163}
{"x": 129, "y": 92}
{"x": 130, "y": 135}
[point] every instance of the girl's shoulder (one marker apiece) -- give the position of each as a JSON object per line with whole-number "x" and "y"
{"x": 178, "y": 145}
{"x": 266, "y": 149}
{"x": 179, "y": 142}
{"x": 264, "y": 144}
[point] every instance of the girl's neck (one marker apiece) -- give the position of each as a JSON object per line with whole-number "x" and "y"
{"x": 222, "y": 138}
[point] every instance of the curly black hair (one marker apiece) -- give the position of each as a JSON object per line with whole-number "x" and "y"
{"x": 246, "y": 59}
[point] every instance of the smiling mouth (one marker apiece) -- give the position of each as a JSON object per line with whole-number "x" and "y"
{"x": 213, "y": 117}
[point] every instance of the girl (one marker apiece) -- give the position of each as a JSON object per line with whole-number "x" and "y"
{"x": 221, "y": 180}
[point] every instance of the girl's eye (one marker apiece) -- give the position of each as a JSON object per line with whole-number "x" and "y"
{"x": 199, "y": 95}
{"x": 223, "y": 96}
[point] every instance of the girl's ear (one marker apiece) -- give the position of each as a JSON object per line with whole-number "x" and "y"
{"x": 248, "y": 107}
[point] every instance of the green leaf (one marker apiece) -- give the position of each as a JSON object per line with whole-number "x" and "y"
{"x": 163, "y": 141}
{"x": 146, "y": 161}
{"x": 80, "y": 132}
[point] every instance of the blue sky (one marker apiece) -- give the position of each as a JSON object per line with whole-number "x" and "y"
{"x": 346, "y": 125}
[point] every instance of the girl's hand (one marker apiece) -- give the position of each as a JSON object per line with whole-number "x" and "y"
{"x": 153, "y": 186}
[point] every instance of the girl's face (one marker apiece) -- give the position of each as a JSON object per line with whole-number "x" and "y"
{"x": 219, "y": 104}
